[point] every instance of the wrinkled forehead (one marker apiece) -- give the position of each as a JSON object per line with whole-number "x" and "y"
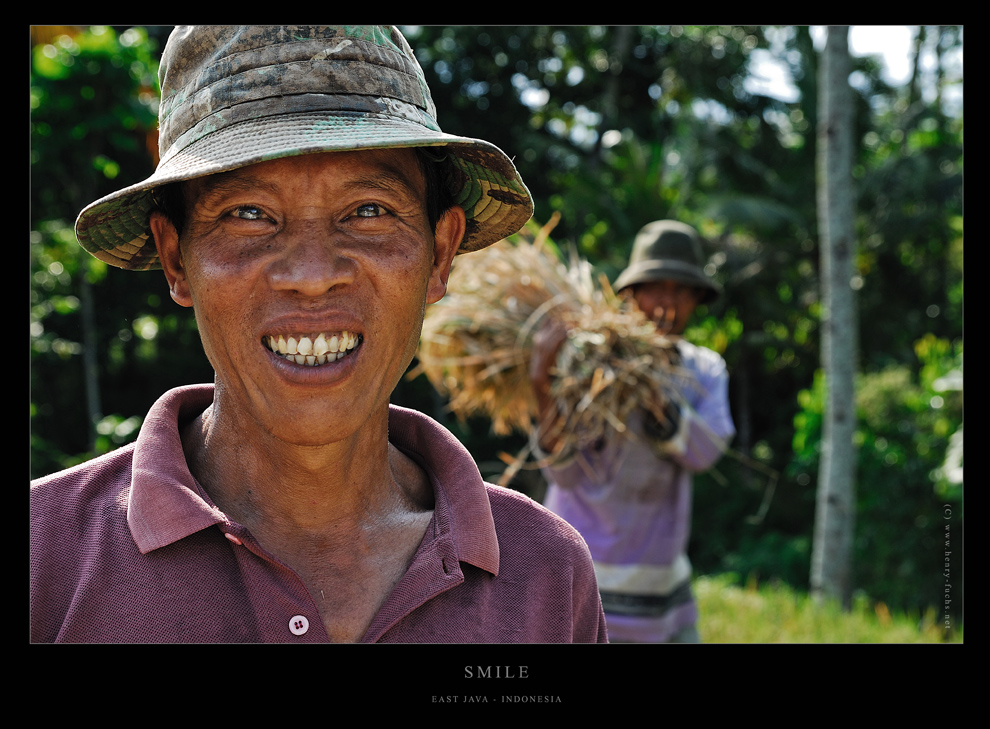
{"x": 386, "y": 169}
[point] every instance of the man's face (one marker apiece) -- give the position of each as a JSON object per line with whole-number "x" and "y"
{"x": 669, "y": 304}
{"x": 309, "y": 277}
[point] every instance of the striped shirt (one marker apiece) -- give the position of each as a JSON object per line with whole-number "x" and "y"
{"x": 630, "y": 499}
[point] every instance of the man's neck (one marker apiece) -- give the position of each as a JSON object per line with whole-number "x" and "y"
{"x": 293, "y": 492}
{"x": 346, "y": 517}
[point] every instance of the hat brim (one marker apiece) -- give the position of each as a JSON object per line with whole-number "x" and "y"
{"x": 648, "y": 271}
{"x": 495, "y": 200}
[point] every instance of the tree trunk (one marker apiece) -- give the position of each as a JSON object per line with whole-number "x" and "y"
{"x": 835, "y": 509}
{"x": 91, "y": 372}
{"x": 90, "y": 354}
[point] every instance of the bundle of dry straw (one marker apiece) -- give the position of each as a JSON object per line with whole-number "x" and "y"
{"x": 476, "y": 343}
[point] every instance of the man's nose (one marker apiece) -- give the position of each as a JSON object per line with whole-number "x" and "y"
{"x": 313, "y": 260}
{"x": 665, "y": 300}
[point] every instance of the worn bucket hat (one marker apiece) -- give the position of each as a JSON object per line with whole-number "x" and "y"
{"x": 666, "y": 250}
{"x": 237, "y": 95}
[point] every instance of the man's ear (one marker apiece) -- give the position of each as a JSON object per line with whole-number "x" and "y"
{"x": 167, "y": 243}
{"x": 449, "y": 233}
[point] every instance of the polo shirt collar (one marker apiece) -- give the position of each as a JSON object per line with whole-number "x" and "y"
{"x": 461, "y": 505}
{"x": 166, "y": 503}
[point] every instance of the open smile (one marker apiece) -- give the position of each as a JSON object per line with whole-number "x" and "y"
{"x": 313, "y": 350}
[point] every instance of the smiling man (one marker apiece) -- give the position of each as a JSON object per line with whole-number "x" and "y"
{"x": 308, "y": 208}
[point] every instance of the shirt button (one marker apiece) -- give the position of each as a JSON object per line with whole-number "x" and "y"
{"x": 299, "y": 624}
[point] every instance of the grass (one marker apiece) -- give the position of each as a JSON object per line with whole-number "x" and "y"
{"x": 774, "y": 613}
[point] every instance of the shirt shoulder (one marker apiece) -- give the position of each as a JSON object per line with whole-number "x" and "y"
{"x": 701, "y": 360}
{"x": 75, "y": 514}
{"x": 533, "y": 541}
{"x": 519, "y": 519}
{"x": 72, "y": 495}
{"x": 549, "y": 565}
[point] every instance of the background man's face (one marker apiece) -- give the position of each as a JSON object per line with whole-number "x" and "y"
{"x": 669, "y": 304}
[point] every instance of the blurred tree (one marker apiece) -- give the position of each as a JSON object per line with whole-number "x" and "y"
{"x": 99, "y": 89}
{"x": 835, "y": 512}
{"x": 93, "y": 130}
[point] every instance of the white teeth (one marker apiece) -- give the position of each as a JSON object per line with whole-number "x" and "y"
{"x": 312, "y": 352}
{"x": 320, "y": 346}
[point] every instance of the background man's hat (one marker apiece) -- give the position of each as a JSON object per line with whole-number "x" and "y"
{"x": 237, "y": 95}
{"x": 666, "y": 250}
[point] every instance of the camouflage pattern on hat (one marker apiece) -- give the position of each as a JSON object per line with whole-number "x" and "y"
{"x": 238, "y": 95}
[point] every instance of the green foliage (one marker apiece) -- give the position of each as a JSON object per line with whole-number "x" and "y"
{"x": 611, "y": 126}
{"x": 93, "y": 103}
{"x": 905, "y": 421}
{"x": 93, "y": 129}
{"x": 114, "y": 431}
{"x": 714, "y": 333}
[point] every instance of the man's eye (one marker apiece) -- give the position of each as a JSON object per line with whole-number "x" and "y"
{"x": 248, "y": 212}
{"x": 370, "y": 210}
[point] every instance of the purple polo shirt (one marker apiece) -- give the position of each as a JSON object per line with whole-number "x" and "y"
{"x": 128, "y": 548}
